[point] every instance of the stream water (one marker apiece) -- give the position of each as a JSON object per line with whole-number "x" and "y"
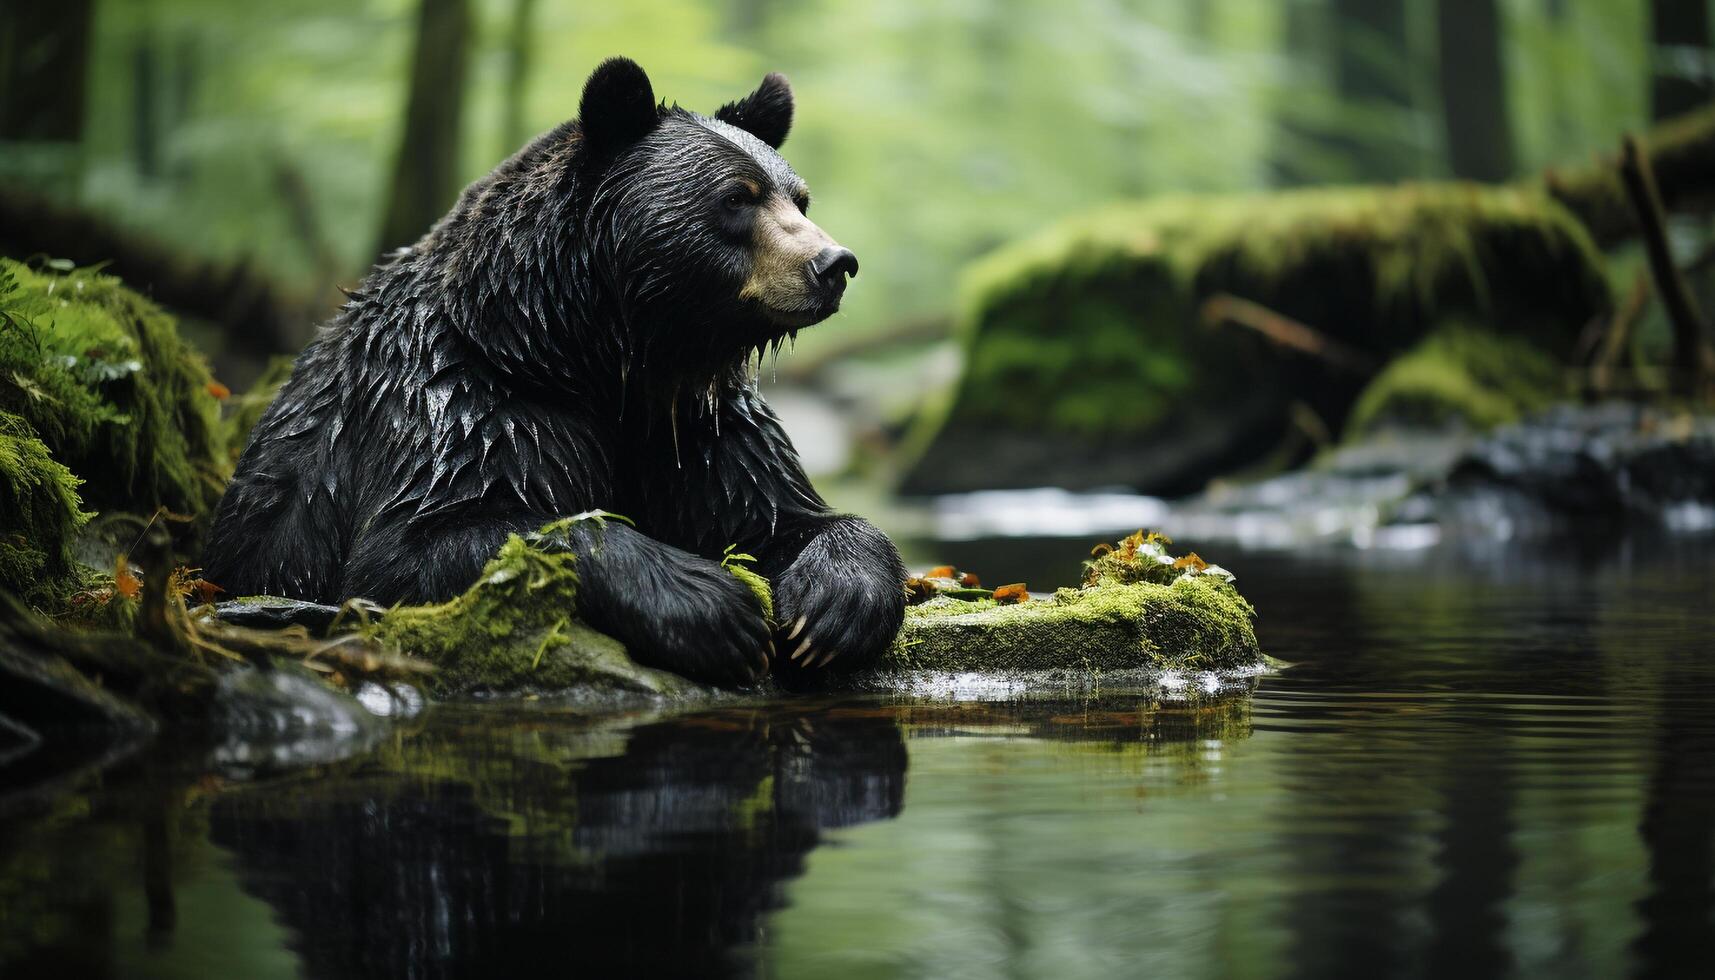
{"x": 1483, "y": 763}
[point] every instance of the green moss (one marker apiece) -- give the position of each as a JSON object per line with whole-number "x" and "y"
{"x": 244, "y": 411}
{"x": 515, "y": 629}
{"x": 102, "y": 377}
{"x": 1092, "y": 329}
{"x": 1193, "y": 623}
{"x": 40, "y": 514}
{"x": 1140, "y": 608}
{"x": 758, "y": 586}
{"x": 1459, "y": 375}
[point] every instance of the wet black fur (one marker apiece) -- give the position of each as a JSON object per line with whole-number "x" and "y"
{"x": 568, "y": 338}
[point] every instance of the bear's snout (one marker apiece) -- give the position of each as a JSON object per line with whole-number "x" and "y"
{"x": 832, "y": 266}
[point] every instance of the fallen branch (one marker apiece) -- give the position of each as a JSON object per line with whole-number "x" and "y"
{"x": 1676, "y": 299}
{"x": 1286, "y": 332}
{"x": 1681, "y": 155}
{"x": 1618, "y": 338}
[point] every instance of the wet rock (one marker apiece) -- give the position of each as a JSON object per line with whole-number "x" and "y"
{"x": 274, "y": 612}
{"x": 1614, "y": 463}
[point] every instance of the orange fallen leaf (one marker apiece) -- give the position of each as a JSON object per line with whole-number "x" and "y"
{"x": 1192, "y": 561}
{"x": 205, "y": 590}
{"x": 125, "y": 583}
{"x": 939, "y": 571}
{"x": 219, "y": 390}
{"x": 1009, "y": 594}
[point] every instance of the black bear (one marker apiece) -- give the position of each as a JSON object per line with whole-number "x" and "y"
{"x": 580, "y": 332}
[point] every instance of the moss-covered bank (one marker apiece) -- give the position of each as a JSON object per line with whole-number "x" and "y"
{"x": 103, "y": 378}
{"x": 103, "y": 408}
{"x": 1084, "y": 345}
{"x": 40, "y": 515}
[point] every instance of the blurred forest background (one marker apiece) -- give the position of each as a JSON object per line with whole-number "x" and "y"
{"x": 237, "y": 160}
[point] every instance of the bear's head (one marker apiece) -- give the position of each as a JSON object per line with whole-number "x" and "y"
{"x": 705, "y": 227}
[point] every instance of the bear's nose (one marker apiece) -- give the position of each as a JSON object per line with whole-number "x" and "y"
{"x": 832, "y": 265}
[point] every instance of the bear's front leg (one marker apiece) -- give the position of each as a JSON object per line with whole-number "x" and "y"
{"x": 671, "y": 609}
{"x": 839, "y": 595}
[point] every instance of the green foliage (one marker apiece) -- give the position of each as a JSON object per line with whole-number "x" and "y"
{"x": 1459, "y": 375}
{"x": 929, "y": 132}
{"x": 40, "y": 515}
{"x": 102, "y": 377}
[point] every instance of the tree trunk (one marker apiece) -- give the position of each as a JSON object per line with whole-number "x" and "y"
{"x": 145, "y": 106}
{"x": 1372, "y": 58}
{"x": 1474, "y": 90}
{"x": 44, "y": 67}
{"x": 426, "y": 176}
{"x": 514, "y": 129}
{"x": 1302, "y": 50}
{"x": 1683, "y": 73}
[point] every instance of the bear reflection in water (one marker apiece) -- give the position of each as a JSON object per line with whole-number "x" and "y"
{"x": 658, "y": 861}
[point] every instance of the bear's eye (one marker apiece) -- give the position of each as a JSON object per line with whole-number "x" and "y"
{"x": 803, "y": 202}
{"x": 736, "y": 201}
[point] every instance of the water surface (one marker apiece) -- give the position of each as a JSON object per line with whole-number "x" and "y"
{"x": 1487, "y": 763}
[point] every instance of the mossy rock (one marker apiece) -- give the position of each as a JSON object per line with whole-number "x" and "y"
{"x": 1086, "y": 361}
{"x": 40, "y": 515}
{"x": 1459, "y": 376}
{"x": 1191, "y": 624}
{"x": 103, "y": 379}
{"x": 1142, "y": 610}
{"x": 516, "y": 630}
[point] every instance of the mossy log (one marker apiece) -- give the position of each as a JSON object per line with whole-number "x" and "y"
{"x": 1086, "y": 362}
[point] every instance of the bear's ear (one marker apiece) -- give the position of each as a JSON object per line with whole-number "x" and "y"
{"x": 618, "y": 107}
{"x": 765, "y": 113}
